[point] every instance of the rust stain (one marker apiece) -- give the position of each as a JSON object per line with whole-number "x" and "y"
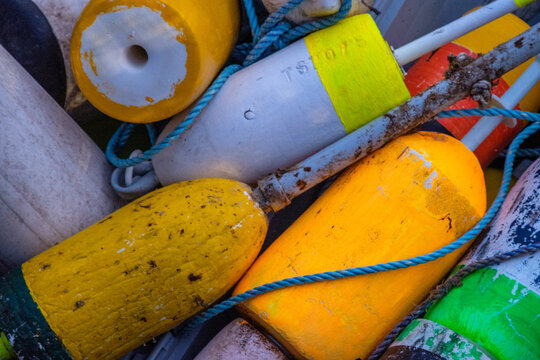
{"x": 92, "y": 63}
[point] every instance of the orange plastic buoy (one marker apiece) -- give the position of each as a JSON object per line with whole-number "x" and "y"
{"x": 415, "y": 195}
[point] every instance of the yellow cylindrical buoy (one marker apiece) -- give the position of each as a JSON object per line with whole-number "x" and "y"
{"x": 146, "y": 60}
{"x": 135, "y": 274}
{"x": 415, "y": 195}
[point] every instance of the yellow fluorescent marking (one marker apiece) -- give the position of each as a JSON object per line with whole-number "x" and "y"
{"x": 147, "y": 267}
{"x": 358, "y": 70}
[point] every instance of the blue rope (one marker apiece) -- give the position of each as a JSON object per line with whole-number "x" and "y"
{"x": 273, "y": 35}
{"x": 401, "y": 264}
{"x": 525, "y": 153}
{"x": 252, "y": 18}
{"x": 522, "y": 153}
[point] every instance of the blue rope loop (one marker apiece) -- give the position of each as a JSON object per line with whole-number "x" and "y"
{"x": 400, "y": 264}
{"x": 273, "y": 35}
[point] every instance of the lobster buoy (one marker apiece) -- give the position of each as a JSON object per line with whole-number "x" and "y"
{"x": 146, "y": 61}
{"x": 414, "y": 195}
{"x": 133, "y": 275}
{"x": 431, "y": 68}
{"x": 291, "y": 104}
{"x": 27, "y": 35}
{"x": 311, "y": 10}
{"x": 497, "y": 307}
{"x": 54, "y": 178}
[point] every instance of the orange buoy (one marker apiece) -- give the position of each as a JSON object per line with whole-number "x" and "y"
{"x": 415, "y": 195}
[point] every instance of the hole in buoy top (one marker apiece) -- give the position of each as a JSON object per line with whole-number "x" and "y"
{"x": 136, "y": 55}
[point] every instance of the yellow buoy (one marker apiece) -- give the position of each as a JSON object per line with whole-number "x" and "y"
{"x": 135, "y": 274}
{"x": 415, "y": 195}
{"x": 146, "y": 60}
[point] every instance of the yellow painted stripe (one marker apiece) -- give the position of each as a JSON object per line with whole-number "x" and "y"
{"x": 358, "y": 70}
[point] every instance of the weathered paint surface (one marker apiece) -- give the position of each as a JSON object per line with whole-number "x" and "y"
{"x": 149, "y": 80}
{"x": 197, "y": 36}
{"x": 415, "y": 195}
{"x": 23, "y": 323}
{"x": 147, "y": 267}
{"x": 437, "y": 341}
{"x": 431, "y": 68}
{"x": 54, "y": 180}
{"x": 499, "y": 306}
{"x": 240, "y": 341}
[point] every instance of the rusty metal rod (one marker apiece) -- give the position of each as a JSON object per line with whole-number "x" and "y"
{"x": 275, "y": 191}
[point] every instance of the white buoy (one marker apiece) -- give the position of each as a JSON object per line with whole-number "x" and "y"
{"x": 239, "y": 340}
{"x": 291, "y": 104}
{"x": 54, "y": 179}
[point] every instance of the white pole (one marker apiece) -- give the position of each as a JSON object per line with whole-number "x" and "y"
{"x": 483, "y": 128}
{"x": 452, "y": 31}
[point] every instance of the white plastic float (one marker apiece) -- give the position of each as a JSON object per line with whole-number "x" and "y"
{"x": 53, "y": 178}
{"x": 280, "y": 110}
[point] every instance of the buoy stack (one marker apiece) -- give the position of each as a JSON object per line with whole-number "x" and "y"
{"x": 152, "y": 264}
